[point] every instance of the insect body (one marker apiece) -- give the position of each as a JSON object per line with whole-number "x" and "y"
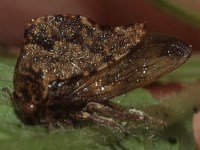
{"x": 69, "y": 68}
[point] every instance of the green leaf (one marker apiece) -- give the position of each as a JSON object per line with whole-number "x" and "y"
{"x": 187, "y": 73}
{"x": 182, "y": 10}
{"x": 15, "y": 135}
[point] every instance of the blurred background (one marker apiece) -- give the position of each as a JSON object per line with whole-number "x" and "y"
{"x": 176, "y": 17}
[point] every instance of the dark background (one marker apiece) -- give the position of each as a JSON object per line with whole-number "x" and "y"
{"x": 15, "y": 15}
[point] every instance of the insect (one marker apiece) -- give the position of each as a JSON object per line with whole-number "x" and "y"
{"x": 70, "y": 68}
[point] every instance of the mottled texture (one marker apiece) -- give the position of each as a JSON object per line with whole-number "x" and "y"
{"x": 66, "y": 62}
{"x": 63, "y": 47}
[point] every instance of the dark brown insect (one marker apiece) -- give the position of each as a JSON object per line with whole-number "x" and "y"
{"x": 69, "y": 68}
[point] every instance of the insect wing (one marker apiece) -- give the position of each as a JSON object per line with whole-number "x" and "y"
{"x": 156, "y": 56}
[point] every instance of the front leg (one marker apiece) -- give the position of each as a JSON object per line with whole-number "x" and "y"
{"x": 55, "y": 119}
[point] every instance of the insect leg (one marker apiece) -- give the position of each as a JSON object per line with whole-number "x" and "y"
{"x": 121, "y": 114}
{"x": 85, "y": 116}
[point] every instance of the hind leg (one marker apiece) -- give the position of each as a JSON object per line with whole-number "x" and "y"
{"x": 119, "y": 113}
{"x": 85, "y": 116}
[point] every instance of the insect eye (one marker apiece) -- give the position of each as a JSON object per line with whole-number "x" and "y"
{"x": 29, "y": 109}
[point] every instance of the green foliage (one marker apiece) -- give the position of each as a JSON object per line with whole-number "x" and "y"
{"x": 15, "y": 135}
{"x": 181, "y": 11}
{"x": 187, "y": 73}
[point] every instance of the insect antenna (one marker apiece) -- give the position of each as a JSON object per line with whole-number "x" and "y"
{"x": 9, "y": 92}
